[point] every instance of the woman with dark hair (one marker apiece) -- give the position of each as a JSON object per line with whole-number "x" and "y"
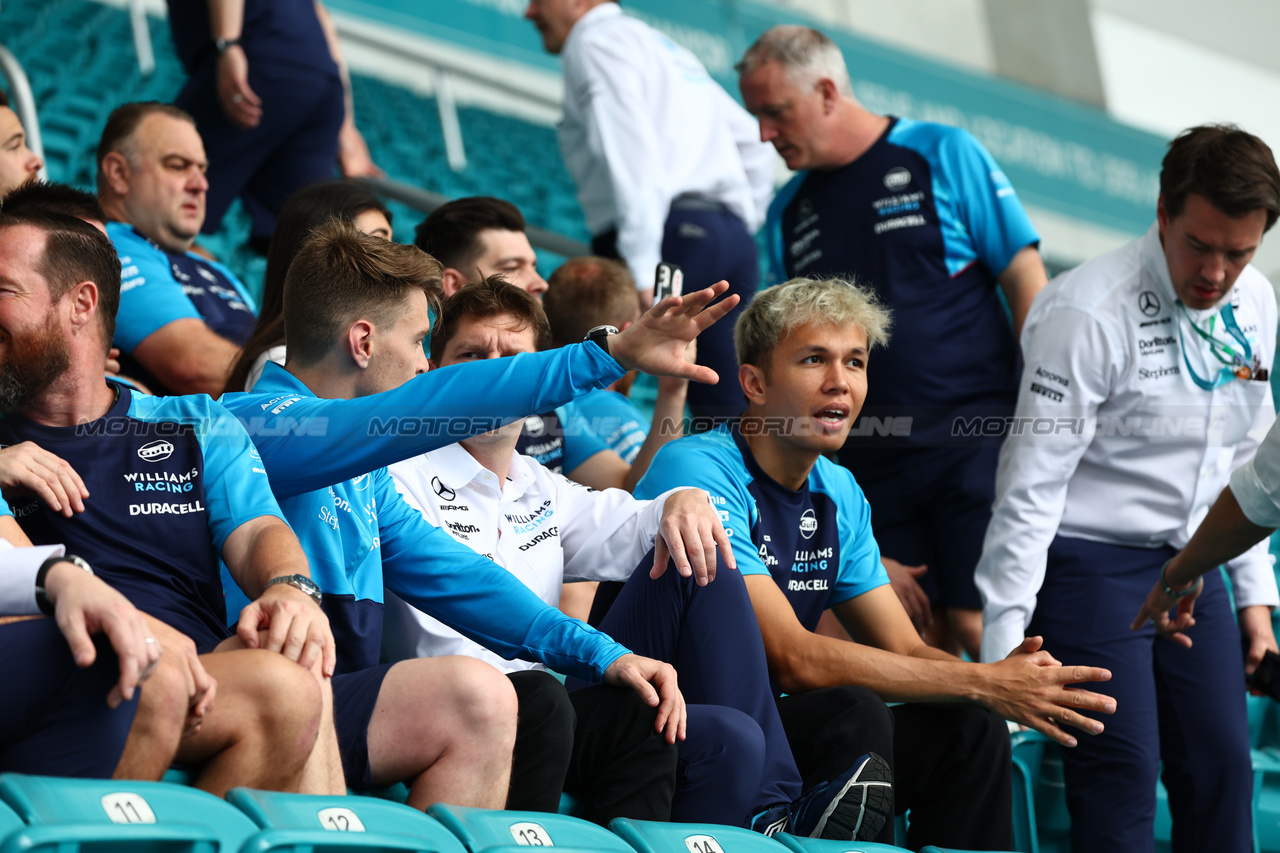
{"x": 309, "y": 207}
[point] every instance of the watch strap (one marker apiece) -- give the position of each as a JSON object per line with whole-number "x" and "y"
{"x": 42, "y": 596}
{"x": 221, "y": 45}
{"x": 1170, "y": 591}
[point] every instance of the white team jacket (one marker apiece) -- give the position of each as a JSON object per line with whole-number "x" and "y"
{"x": 1112, "y": 441}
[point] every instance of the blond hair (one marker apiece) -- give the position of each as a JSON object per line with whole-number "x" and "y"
{"x": 778, "y": 310}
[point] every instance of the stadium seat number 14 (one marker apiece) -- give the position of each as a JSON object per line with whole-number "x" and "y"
{"x": 702, "y": 844}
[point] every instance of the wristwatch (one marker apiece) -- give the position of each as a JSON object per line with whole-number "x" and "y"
{"x": 1170, "y": 591}
{"x": 299, "y": 582}
{"x": 42, "y": 597}
{"x": 221, "y": 44}
{"x": 600, "y": 335}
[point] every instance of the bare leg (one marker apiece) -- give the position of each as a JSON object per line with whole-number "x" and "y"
{"x": 158, "y": 724}
{"x": 262, "y": 727}
{"x": 445, "y": 726}
{"x": 323, "y": 772}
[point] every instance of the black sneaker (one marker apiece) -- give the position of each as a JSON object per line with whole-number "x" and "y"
{"x": 853, "y": 807}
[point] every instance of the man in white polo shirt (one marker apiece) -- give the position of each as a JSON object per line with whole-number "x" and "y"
{"x": 668, "y": 166}
{"x": 1145, "y": 385}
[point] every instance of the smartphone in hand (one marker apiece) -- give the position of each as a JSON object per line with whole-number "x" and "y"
{"x": 668, "y": 281}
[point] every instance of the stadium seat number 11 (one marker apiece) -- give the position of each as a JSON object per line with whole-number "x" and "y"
{"x": 127, "y": 808}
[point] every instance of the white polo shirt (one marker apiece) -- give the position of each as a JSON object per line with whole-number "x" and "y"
{"x": 644, "y": 123}
{"x": 1112, "y": 441}
{"x": 542, "y": 527}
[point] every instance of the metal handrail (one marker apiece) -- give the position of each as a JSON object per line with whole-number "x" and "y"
{"x": 24, "y": 104}
{"x": 426, "y": 201}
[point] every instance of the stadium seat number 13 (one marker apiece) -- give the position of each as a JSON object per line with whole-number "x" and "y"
{"x": 531, "y": 835}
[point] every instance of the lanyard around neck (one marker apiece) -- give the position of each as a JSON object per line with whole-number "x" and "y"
{"x": 1236, "y": 364}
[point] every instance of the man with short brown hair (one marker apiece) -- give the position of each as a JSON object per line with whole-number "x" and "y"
{"x": 358, "y": 397}
{"x": 182, "y": 317}
{"x": 1145, "y": 386}
{"x": 171, "y": 490}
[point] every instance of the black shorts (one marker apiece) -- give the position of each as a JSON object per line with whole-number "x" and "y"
{"x": 354, "y": 696}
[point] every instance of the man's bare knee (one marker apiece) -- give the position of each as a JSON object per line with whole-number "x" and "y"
{"x": 483, "y": 698}
{"x": 284, "y": 700}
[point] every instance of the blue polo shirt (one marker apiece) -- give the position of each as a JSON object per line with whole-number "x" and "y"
{"x": 562, "y": 439}
{"x": 158, "y": 287}
{"x": 169, "y": 478}
{"x": 326, "y": 460}
{"x": 928, "y": 220}
{"x": 815, "y": 542}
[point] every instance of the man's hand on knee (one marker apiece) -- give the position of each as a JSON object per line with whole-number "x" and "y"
{"x": 294, "y": 625}
{"x": 655, "y": 681}
{"x": 179, "y": 652}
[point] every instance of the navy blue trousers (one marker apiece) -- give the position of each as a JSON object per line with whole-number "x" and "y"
{"x": 54, "y": 720}
{"x": 295, "y": 143}
{"x": 1185, "y": 707}
{"x": 736, "y": 760}
{"x": 932, "y": 507}
{"x": 709, "y": 245}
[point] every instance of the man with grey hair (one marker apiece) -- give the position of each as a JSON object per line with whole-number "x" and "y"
{"x": 668, "y": 166}
{"x": 923, "y": 214}
{"x": 182, "y": 317}
{"x": 801, "y": 535}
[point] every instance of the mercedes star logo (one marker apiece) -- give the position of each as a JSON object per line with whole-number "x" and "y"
{"x": 442, "y": 490}
{"x": 1149, "y": 303}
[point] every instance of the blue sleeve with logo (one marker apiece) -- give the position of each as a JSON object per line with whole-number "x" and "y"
{"x": 235, "y": 481}
{"x": 431, "y": 570}
{"x": 309, "y": 442}
{"x": 4, "y": 507}
{"x": 149, "y": 295}
{"x": 860, "y": 566}
{"x": 978, "y": 210}
{"x": 581, "y": 441}
{"x": 777, "y": 272}
{"x": 714, "y": 465}
{"x": 617, "y": 421}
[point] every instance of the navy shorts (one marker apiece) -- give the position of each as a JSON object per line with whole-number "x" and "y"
{"x": 54, "y": 720}
{"x": 935, "y": 511}
{"x": 354, "y": 696}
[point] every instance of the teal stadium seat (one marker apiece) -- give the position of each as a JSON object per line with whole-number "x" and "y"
{"x": 490, "y": 831}
{"x": 108, "y": 816}
{"x": 338, "y": 824}
{"x": 9, "y": 822}
{"x": 648, "y": 836}
{"x": 800, "y": 844}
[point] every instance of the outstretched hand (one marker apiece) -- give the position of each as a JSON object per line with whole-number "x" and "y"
{"x": 657, "y": 342}
{"x": 1032, "y": 688}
